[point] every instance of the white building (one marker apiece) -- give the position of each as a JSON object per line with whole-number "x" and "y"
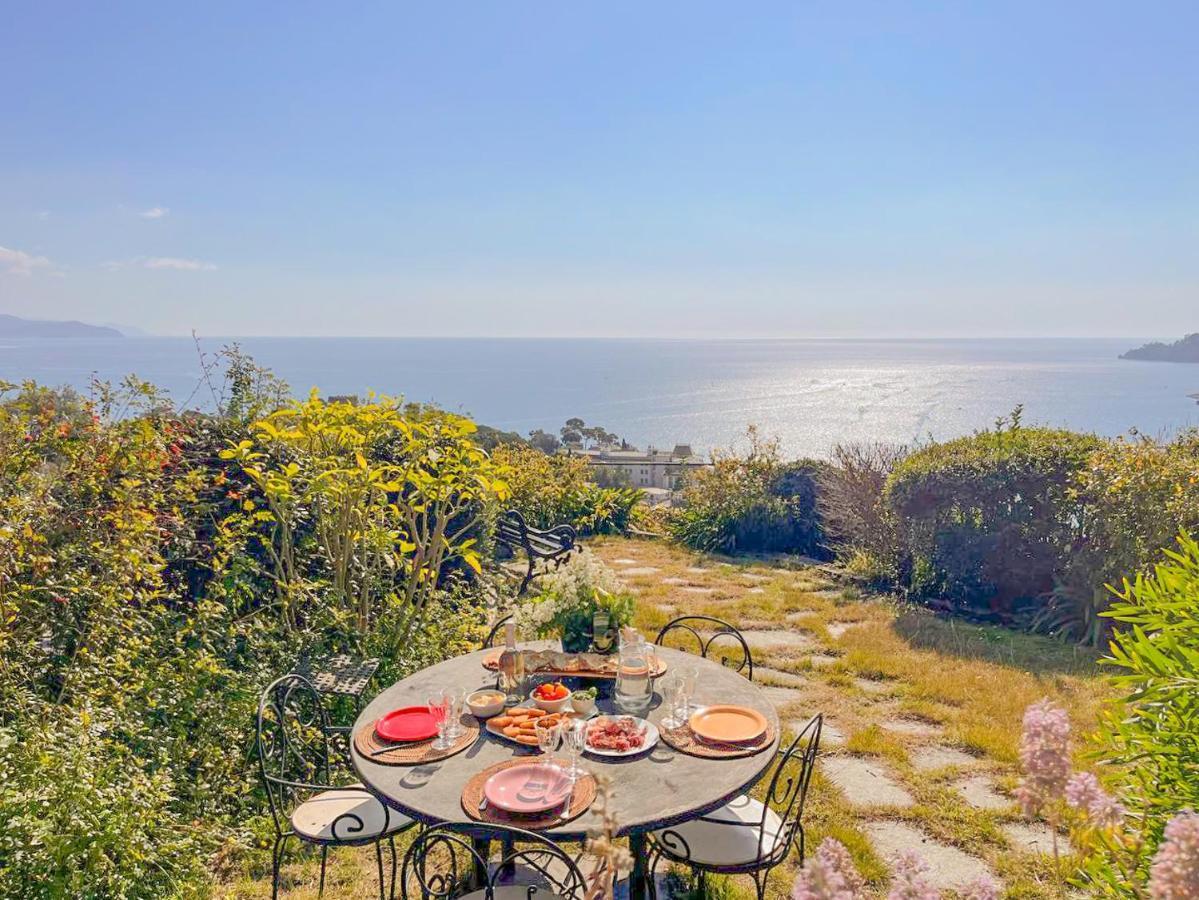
{"x": 658, "y": 472}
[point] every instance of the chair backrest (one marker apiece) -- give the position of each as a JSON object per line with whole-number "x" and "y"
{"x": 788, "y": 789}
{"x": 440, "y": 863}
{"x": 496, "y": 630}
{"x": 293, "y": 744}
{"x": 711, "y": 637}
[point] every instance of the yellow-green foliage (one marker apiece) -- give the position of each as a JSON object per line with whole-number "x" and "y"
{"x": 551, "y": 489}
{"x": 139, "y": 618}
{"x": 387, "y": 498}
{"x": 1132, "y": 498}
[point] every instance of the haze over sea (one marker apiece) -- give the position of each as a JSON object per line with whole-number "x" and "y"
{"x": 809, "y": 393}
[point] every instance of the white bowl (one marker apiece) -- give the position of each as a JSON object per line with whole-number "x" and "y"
{"x": 550, "y": 706}
{"x": 582, "y": 705}
{"x": 485, "y": 704}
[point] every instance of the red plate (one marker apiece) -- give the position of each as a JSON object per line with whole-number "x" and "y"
{"x": 412, "y": 723}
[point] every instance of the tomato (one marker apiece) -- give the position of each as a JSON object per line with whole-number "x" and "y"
{"x": 551, "y": 691}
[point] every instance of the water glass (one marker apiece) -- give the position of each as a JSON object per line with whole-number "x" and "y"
{"x": 671, "y": 687}
{"x": 574, "y": 735}
{"x": 439, "y": 710}
{"x": 689, "y": 676}
{"x": 549, "y": 739}
{"x": 455, "y": 702}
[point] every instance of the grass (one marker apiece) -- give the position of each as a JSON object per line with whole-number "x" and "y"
{"x": 866, "y": 662}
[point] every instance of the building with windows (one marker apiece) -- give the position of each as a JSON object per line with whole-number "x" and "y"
{"x": 658, "y": 472}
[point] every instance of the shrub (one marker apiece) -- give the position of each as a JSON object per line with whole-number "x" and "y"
{"x": 1133, "y": 496}
{"x": 752, "y": 503}
{"x": 361, "y": 507}
{"x": 853, "y": 513}
{"x": 985, "y": 521}
{"x": 1150, "y": 735}
{"x": 134, "y": 592}
{"x": 556, "y": 489}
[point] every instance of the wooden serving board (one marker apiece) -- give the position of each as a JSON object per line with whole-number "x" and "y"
{"x": 491, "y": 662}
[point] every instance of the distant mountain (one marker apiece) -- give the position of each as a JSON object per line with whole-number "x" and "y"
{"x": 14, "y": 327}
{"x": 1185, "y": 350}
{"x": 127, "y": 330}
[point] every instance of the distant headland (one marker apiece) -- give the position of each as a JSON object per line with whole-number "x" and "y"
{"x": 1185, "y": 350}
{"x": 16, "y": 327}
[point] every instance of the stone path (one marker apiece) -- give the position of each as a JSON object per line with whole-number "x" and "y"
{"x": 1035, "y": 837}
{"x": 949, "y": 867}
{"x": 866, "y": 782}
{"x": 980, "y": 794}
{"x": 937, "y": 757}
{"x": 797, "y": 645}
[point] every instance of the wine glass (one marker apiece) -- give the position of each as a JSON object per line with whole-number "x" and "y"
{"x": 672, "y": 688}
{"x": 549, "y": 739}
{"x": 439, "y": 709}
{"x": 689, "y": 675}
{"x": 574, "y": 735}
{"x": 455, "y": 701}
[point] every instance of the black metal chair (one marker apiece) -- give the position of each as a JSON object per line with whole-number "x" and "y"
{"x": 451, "y": 861}
{"x": 711, "y": 636}
{"x": 293, "y": 761}
{"x": 496, "y": 630}
{"x": 748, "y": 836}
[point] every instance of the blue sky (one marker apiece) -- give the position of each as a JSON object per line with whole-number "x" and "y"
{"x": 639, "y": 169}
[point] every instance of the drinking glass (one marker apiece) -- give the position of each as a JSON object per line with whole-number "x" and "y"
{"x": 689, "y": 676}
{"x": 574, "y": 735}
{"x": 549, "y": 739}
{"x": 439, "y": 709}
{"x": 672, "y": 687}
{"x": 455, "y": 702}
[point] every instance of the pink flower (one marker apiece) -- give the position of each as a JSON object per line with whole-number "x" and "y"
{"x": 1044, "y": 755}
{"x": 982, "y": 888}
{"x": 908, "y": 881}
{"x": 1085, "y": 794}
{"x": 1174, "y": 874}
{"x": 830, "y": 875}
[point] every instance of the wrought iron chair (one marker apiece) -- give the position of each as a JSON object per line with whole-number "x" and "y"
{"x": 712, "y": 636}
{"x": 450, "y": 861}
{"x": 293, "y": 761}
{"x": 748, "y": 836}
{"x": 496, "y": 630}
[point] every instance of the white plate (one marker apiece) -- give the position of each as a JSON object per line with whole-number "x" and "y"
{"x": 651, "y": 739}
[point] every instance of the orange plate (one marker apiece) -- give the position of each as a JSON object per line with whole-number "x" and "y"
{"x": 728, "y": 724}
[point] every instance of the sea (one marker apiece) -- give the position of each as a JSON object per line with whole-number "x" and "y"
{"x": 809, "y": 394}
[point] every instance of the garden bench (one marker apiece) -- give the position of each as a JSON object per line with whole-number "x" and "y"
{"x": 539, "y": 547}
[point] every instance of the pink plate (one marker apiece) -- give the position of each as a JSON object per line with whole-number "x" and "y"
{"x": 530, "y": 788}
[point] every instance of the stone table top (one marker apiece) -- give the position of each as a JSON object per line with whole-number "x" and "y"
{"x": 652, "y": 790}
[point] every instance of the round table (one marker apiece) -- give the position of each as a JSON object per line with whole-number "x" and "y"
{"x": 652, "y": 790}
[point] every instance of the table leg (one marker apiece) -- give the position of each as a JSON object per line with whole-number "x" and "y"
{"x": 482, "y": 848}
{"x": 637, "y": 880}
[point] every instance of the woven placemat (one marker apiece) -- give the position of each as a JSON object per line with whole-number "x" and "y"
{"x": 472, "y": 796}
{"x": 366, "y": 742}
{"x": 684, "y": 740}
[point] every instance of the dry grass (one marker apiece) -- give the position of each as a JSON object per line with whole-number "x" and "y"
{"x": 874, "y": 661}
{"x": 868, "y": 662}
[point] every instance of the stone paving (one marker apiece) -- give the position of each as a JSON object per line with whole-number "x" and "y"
{"x": 878, "y": 755}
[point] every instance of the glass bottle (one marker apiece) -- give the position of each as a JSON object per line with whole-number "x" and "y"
{"x": 512, "y": 668}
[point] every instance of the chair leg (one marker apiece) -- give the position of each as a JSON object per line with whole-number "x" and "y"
{"x": 324, "y": 861}
{"x": 277, "y": 863}
{"x": 392, "y": 843}
{"x": 760, "y": 879}
{"x": 379, "y": 866}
